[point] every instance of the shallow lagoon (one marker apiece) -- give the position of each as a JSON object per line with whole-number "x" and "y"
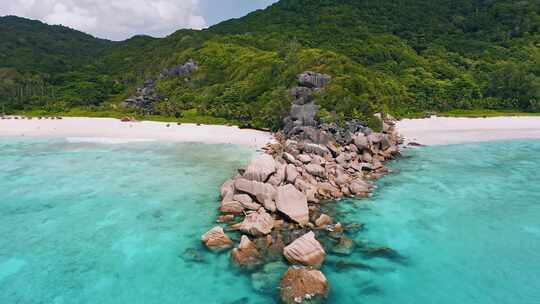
{"x": 102, "y": 223}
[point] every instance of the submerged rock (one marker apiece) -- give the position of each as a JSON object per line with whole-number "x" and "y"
{"x": 304, "y": 285}
{"x": 267, "y": 280}
{"x": 323, "y": 220}
{"x": 246, "y": 255}
{"x": 193, "y": 255}
{"x": 216, "y": 239}
{"x": 305, "y": 250}
{"x": 345, "y": 246}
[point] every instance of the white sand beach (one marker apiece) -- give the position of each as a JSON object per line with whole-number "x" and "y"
{"x": 109, "y": 130}
{"x": 443, "y": 130}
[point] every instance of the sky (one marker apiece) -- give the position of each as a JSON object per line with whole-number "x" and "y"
{"x": 122, "y": 19}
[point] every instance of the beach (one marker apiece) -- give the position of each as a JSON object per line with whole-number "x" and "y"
{"x": 109, "y": 130}
{"x": 444, "y": 130}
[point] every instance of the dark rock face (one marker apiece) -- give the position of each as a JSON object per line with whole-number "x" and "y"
{"x": 302, "y": 120}
{"x": 180, "y": 70}
{"x": 145, "y": 98}
{"x": 313, "y": 80}
{"x": 302, "y": 123}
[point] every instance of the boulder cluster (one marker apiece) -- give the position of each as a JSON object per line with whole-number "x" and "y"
{"x": 275, "y": 202}
{"x": 146, "y": 97}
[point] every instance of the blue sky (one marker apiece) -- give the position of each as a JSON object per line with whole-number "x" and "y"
{"x": 217, "y": 11}
{"x": 122, "y": 19}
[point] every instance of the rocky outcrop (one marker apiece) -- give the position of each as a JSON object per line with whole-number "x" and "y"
{"x": 181, "y": 70}
{"x": 306, "y": 251}
{"x": 302, "y": 116}
{"x": 216, "y": 239}
{"x": 280, "y": 192}
{"x": 304, "y": 285}
{"x": 146, "y": 97}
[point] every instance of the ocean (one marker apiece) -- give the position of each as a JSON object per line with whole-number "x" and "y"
{"x": 87, "y": 222}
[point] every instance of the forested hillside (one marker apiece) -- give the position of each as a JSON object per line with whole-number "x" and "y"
{"x": 403, "y": 57}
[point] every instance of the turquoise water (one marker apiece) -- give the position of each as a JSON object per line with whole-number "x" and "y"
{"x": 101, "y": 223}
{"x": 465, "y": 220}
{"x": 95, "y": 223}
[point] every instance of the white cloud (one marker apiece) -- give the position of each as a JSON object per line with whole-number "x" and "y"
{"x": 112, "y": 19}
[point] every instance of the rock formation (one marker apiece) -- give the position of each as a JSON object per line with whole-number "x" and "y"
{"x": 280, "y": 191}
{"x": 146, "y": 97}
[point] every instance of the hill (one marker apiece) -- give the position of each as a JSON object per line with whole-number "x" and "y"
{"x": 403, "y": 57}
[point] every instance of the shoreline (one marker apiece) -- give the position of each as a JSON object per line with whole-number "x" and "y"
{"x": 111, "y": 130}
{"x": 454, "y": 130}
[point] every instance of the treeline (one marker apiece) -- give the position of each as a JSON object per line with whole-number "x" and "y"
{"x": 403, "y": 57}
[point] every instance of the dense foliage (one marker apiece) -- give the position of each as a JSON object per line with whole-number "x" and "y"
{"x": 403, "y": 57}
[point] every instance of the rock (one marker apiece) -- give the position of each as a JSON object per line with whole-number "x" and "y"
{"x": 359, "y": 187}
{"x": 277, "y": 178}
{"x": 267, "y": 280}
{"x": 336, "y": 231}
{"x": 193, "y": 255}
{"x": 323, "y": 221}
{"x": 246, "y": 255}
{"x": 291, "y": 173}
{"x": 328, "y": 191}
{"x": 227, "y": 188}
{"x": 384, "y": 252}
{"x": 343, "y": 159}
{"x": 256, "y": 223}
{"x": 316, "y": 170}
{"x": 289, "y": 158}
{"x": 216, "y": 239}
{"x": 342, "y": 178}
{"x": 302, "y": 95}
{"x": 318, "y": 160}
{"x": 246, "y": 202}
{"x": 243, "y": 199}
{"x": 385, "y": 142}
{"x": 345, "y": 246}
{"x": 305, "y": 250}
{"x": 260, "y": 168}
{"x": 366, "y": 157}
{"x": 304, "y": 285}
{"x": 303, "y": 115}
{"x": 231, "y": 207}
{"x": 225, "y": 218}
{"x": 293, "y": 204}
{"x": 181, "y": 70}
{"x": 313, "y": 80}
{"x": 265, "y": 193}
{"x": 361, "y": 141}
{"x": 375, "y": 138}
{"x": 306, "y": 159}
{"x": 315, "y": 149}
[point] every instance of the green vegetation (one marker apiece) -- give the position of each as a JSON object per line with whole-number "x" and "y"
{"x": 403, "y": 57}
